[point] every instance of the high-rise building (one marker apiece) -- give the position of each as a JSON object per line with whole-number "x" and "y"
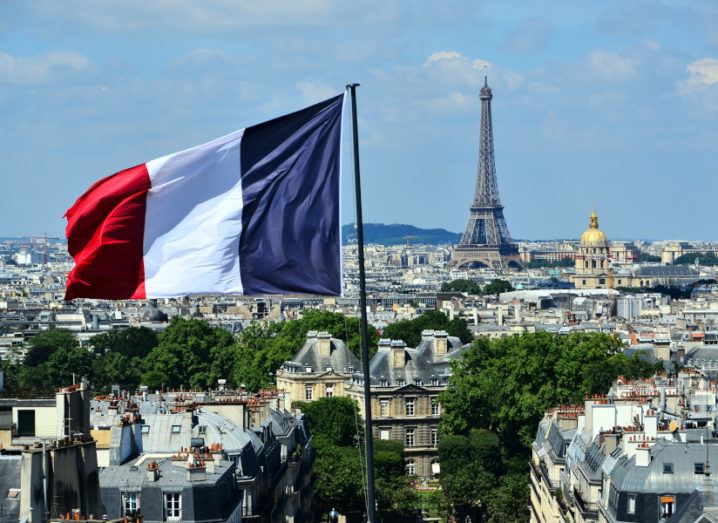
{"x": 486, "y": 240}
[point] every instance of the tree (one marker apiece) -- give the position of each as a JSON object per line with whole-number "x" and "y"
{"x": 504, "y": 504}
{"x": 461, "y": 285}
{"x": 131, "y": 342}
{"x": 497, "y": 287}
{"x": 333, "y": 420}
{"x": 410, "y": 330}
{"x": 44, "y": 344}
{"x": 504, "y": 387}
{"x": 184, "y": 355}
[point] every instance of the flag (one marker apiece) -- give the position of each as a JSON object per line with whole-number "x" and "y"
{"x": 253, "y": 212}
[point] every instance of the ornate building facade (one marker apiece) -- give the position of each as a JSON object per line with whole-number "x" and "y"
{"x": 593, "y": 270}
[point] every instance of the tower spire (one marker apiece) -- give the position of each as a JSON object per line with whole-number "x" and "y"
{"x": 486, "y": 239}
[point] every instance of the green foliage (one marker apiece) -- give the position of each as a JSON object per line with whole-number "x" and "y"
{"x": 461, "y": 285}
{"x": 505, "y": 505}
{"x": 43, "y": 345}
{"x": 499, "y": 391}
{"x": 540, "y": 264}
{"x": 410, "y": 330}
{"x": 644, "y": 257}
{"x": 339, "y": 464}
{"x": 261, "y": 349}
{"x": 708, "y": 259}
{"x": 130, "y": 342}
{"x": 332, "y": 420}
{"x": 497, "y": 287}
{"x": 186, "y": 355}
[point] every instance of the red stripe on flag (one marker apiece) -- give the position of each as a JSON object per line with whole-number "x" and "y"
{"x": 105, "y": 233}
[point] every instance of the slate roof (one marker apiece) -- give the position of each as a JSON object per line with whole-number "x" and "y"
{"x": 627, "y": 477}
{"x": 340, "y": 358}
{"x": 700, "y": 507}
{"x": 9, "y": 479}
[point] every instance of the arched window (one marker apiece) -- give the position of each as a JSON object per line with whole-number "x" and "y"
{"x": 411, "y": 468}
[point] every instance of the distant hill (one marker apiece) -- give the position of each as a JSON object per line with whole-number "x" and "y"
{"x": 395, "y": 234}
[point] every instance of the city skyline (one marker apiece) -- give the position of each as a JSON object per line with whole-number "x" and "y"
{"x": 616, "y": 103}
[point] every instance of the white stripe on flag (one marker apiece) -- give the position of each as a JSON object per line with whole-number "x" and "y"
{"x": 193, "y": 220}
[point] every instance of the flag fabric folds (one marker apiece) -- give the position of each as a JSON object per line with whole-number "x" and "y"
{"x": 253, "y": 212}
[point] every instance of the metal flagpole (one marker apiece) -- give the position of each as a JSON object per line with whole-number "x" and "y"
{"x": 369, "y": 439}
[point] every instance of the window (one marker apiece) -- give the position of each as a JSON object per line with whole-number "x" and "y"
{"x": 350, "y": 368}
{"x": 410, "y": 468}
{"x": 434, "y": 382}
{"x": 402, "y": 383}
{"x": 602, "y": 281}
{"x": 202, "y": 429}
{"x": 384, "y": 383}
{"x": 409, "y": 407}
{"x": 330, "y": 391}
{"x": 130, "y": 503}
{"x": 176, "y": 429}
{"x": 668, "y": 506}
{"x": 383, "y": 407}
{"x": 434, "y": 407}
{"x": 668, "y": 468}
{"x": 409, "y": 438}
{"x": 632, "y": 504}
{"x": 435, "y": 468}
{"x": 417, "y": 382}
{"x": 173, "y": 506}
{"x": 308, "y": 389}
{"x": 699, "y": 468}
{"x": 384, "y": 434}
{"x": 25, "y": 423}
{"x": 145, "y": 429}
{"x": 434, "y": 437}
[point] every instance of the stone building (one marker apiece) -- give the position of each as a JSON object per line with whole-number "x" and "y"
{"x": 405, "y": 385}
{"x": 320, "y": 369}
{"x": 592, "y": 261}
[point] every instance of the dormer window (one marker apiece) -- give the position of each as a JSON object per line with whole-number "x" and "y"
{"x": 384, "y": 383}
{"x": 307, "y": 369}
{"x": 402, "y": 383}
{"x": 351, "y": 368}
{"x": 417, "y": 382}
{"x": 434, "y": 382}
{"x": 328, "y": 368}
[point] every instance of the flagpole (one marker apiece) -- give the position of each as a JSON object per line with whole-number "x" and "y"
{"x": 369, "y": 438}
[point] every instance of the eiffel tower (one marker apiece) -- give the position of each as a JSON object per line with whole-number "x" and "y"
{"x": 486, "y": 240}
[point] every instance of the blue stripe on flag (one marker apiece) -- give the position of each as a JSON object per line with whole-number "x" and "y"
{"x": 290, "y": 240}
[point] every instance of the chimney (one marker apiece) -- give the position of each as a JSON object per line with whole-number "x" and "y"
{"x": 610, "y": 443}
{"x": 398, "y": 354}
{"x": 153, "y": 471}
{"x": 324, "y": 344}
{"x": 441, "y": 342}
{"x": 643, "y": 455}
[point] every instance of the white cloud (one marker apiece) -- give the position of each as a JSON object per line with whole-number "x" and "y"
{"x": 41, "y": 69}
{"x": 314, "y": 92}
{"x": 610, "y": 65}
{"x": 701, "y": 74}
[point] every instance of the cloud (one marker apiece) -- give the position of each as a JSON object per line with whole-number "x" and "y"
{"x": 702, "y": 74}
{"x": 454, "y": 65}
{"x": 701, "y": 86}
{"x": 531, "y": 36}
{"x": 610, "y": 65}
{"x": 42, "y": 69}
{"x": 313, "y": 92}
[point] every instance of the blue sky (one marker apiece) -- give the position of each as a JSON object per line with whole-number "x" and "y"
{"x": 612, "y": 101}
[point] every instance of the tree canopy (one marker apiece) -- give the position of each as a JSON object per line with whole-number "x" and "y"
{"x": 410, "y": 330}
{"x": 496, "y": 396}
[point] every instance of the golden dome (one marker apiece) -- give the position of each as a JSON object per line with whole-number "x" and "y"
{"x": 594, "y": 237}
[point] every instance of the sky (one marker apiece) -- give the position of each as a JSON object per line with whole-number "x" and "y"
{"x": 614, "y": 102}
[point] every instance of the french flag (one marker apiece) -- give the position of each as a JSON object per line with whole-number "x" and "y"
{"x": 253, "y": 212}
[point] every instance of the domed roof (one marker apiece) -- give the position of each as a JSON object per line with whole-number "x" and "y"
{"x": 594, "y": 237}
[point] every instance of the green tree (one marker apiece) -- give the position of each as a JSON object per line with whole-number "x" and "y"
{"x": 130, "y": 342}
{"x": 504, "y": 504}
{"x": 44, "y": 344}
{"x": 333, "y": 420}
{"x": 497, "y": 287}
{"x": 461, "y": 285}
{"x": 410, "y": 330}
{"x": 185, "y": 353}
